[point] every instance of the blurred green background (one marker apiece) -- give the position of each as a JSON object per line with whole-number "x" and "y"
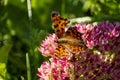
{"x": 21, "y": 34}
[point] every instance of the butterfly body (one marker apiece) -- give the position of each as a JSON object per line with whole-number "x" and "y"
{"x": 70, "y": 40}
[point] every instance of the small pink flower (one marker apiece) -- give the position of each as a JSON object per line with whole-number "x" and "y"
{"x": 115, "y": 33}
{"x": 90, "y": 43}
{"x": 48, "y": 45}
{"x": 44, "y": 71}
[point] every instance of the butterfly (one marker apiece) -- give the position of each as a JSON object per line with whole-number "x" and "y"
{"x": 70, "y": 40}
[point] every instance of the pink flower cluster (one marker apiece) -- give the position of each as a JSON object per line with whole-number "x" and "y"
{"x": 48, "y": 45}
{"x": 90, "y": 66}
{"x": 83, "y": 28}
{"x": 58, "y": 69}
{"x": 102, "y": 33}
{"x": 100, "y": 61}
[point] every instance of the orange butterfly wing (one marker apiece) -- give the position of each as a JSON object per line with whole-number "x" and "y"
{"x": 69, "y": 41}
{"x": 61, "y": 51}
{"x": 59, "y": 24}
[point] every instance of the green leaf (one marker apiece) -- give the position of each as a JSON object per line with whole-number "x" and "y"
{"x": 4, "y": 51}
{"x": 2, "y": 71}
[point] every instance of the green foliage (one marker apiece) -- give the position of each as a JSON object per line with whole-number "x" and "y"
{"x": 103, "y": 9}
{"x": 25, "y": 35}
